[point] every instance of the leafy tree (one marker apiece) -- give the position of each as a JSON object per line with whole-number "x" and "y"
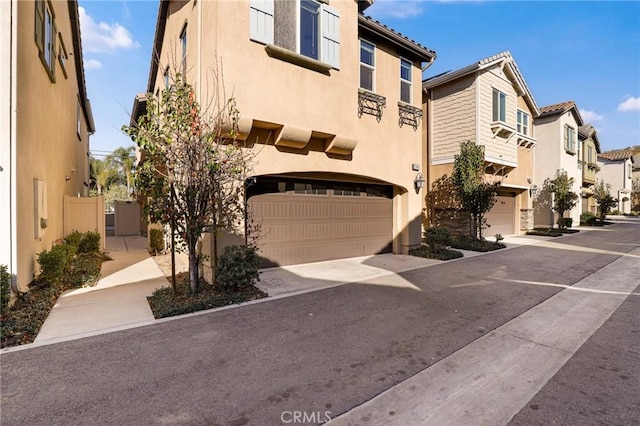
{"x": 115, "y": 193}
{"x": 605, "y": 201}
{"x": 124, "y": 158}
{"x": 194, "y": 169}
{"x": 564, "y": 199}
{"x": 476, "y": 195}
{"x": 103, "y": 174}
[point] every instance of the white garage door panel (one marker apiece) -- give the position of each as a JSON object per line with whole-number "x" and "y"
{"x": 501, "y": 216}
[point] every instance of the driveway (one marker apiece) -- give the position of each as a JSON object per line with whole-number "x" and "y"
{"x": 324, "y": 351}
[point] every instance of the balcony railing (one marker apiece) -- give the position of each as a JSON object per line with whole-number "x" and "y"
{"x": 370, "y": 103}
{"x": 409, "y": 115}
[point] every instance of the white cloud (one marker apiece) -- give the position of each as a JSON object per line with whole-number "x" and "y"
{"x": 92, "y": 64}
{"x": 631, "y": 104}
{"x": 396, "y": 8}
{"x": 103, "y": 37}
{"x": 590, "y": 116}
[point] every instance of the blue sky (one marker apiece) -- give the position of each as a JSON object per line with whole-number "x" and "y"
{"x": 586, "y": 51}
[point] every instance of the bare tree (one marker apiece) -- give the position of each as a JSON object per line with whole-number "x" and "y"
{"x": 195, "y": 168}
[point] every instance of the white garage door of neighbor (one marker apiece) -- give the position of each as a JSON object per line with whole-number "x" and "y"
{"x": 501, "y": 216}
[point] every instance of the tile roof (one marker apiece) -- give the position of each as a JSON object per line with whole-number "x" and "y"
{"x": 620, "y": 154}
{"x": 412, "y": 44}
{"x": 558, "y": 108}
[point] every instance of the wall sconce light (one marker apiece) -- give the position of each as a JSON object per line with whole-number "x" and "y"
{"x": 418, "y": 182}
{"x": 533, "y": 191}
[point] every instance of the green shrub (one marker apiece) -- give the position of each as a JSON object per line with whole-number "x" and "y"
{"x": 634, "y": 213}
{"x": 429, "y": 252}
{"x": 437, "y": 237}
{"x": 53, "y": 263}
{"x": 567, "y": 222}
{"x": 545, "y": 232}
{"x": 464, "y": 242}
{"x": 156, "y": 240}
{"x": 499, "y": 237}
{"x": 5, "y": 288}
{"x": 587, "y": 218}
{"x": 616, "y": 212}
{"x": 238, "y": 268}
{"x": 90, "y": 242}
{"x": 84, "y": 271}
{"x": 73, "y": 239}
{"x": 164, "y": 303}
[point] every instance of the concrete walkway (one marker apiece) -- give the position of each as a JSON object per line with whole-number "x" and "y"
{"x": 119, "y": 300}
{"x": 491, "y": 380}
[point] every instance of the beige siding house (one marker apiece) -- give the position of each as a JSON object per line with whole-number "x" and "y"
{"x": 559, "y": 149}
{"x": 45, "y": 128}
{"x": 489, "y": 103}
{"x": 589, "y": 147}
{"x": 330, "y": 101}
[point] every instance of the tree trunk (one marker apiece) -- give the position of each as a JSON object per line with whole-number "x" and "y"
{"x": 193, "y": 266}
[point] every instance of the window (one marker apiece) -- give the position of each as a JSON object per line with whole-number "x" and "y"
{"x": 499, "y": 106}
{"x": 590, "y": 156}
{"x": 46, "y": 35}
{"x": 367, "y": 65}
{"x": 309, "y": 188}
{"x": 78, "y": 120}
{"x": 183, "y": 51}
{"x": 347, "y": 190}
{"x": 62, "y": 56}
{"x": 570, "y": 139}
{"x": 629, "y": 171}
{"x": 166, "y": 78}
{"x": 523, "y": 123}
{"x": 405, "y": 80}
{"x": 308, "y": 27}
{"x": 578, "y": 156}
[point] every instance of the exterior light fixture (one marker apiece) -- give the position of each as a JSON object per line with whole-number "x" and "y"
{"x": 418, "y": 182}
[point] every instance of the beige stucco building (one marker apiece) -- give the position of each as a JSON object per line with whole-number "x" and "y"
{"x": 559, "y": 148}
{"x": 488, "y": 103}
{"x": 45, "y": 125}
{"x": 616, "y": 169}
{"x": 330, "y": 102}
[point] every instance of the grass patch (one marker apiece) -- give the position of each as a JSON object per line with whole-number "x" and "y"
{"x": 439, "y": 254}
{"x": 551, "y": 232}
{"x": 21, "y": 322}
{"x": 164, "y": 304}
{"x": 468, "y": 243}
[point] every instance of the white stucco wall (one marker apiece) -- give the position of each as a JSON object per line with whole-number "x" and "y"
{"x": 616, "y": 174}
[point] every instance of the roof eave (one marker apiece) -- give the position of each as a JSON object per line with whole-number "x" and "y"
{"x": 417, "y": 51}
{"x": 77, "y": 49}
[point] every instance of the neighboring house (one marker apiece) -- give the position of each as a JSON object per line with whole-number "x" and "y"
{"x": 330, "y": 100}
{"x": 617, "y": 169}
{"x": 489, "y": 103}
{"x": 45, "y": 125}
{"x": 558, "y": 149}
{"x": 589, "y": 148}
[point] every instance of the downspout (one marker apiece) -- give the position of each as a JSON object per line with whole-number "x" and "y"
{"x": 13, "y": 97}
{"x": 431, "y": 61}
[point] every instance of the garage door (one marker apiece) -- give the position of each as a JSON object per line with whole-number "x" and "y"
{"x": 311, "y": 221}
{"x": 501, "y": 216}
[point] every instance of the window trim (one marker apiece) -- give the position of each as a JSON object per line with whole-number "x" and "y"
{"x": 520, "y": 126}
{"x": 410, "y": 82}
{"x": 318, "y": 32}
{"x": 371, "y": 67}
{"x": 183, "y": 50}
{"x": 63, "y": 56}
{"x": 501, "y": 112}
{"x": 569, "y": 145}
{"x": 44, "y": 9}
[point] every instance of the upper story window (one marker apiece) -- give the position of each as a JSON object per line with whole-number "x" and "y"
{"x": 499, "y": 106}
{"x": 569, "y": 139}
{"x": 523, "y": 123}
{"x": 590, "y": 157}
{"x": 308, "y": 27}
{"x": 183, "y": 50}
{"x": 46, "y": 35}
{"x": 165, "y": 76}
{"x": 62, "y": 56}
{"x": 367, "y": 65}
{"x": 405, "y": 80}
{"x": 629, "y": 171}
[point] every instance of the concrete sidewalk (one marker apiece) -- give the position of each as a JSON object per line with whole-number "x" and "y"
{"x": 119, "y": 300}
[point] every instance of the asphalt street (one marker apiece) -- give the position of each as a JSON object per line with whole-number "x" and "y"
{"x": 329, "y": 351}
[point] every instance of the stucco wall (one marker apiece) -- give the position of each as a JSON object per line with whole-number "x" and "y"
{"x": 615, "y": 173}
{"x": 48, "y": 146}
{"x": 271, "y": 90}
